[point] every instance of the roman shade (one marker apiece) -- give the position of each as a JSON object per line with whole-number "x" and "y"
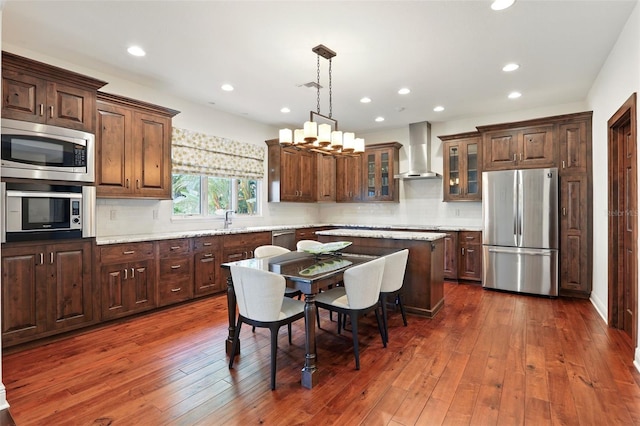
{"x": 202, "y": 154}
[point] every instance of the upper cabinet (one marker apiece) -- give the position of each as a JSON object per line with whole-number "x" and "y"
{"x": 40, "y": 93}
{"x": 518, "y": 148}
{"x": 326, "y": 179}
{"x": 462, "y": 180}
{"x": 349, "y": 179}
{"x": 133, "y": 155}
{"x": 380, "y": 163}
{"x": 292, "y": 173}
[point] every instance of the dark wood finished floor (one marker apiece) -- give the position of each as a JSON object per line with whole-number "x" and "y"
{"x": 487, "y": 358}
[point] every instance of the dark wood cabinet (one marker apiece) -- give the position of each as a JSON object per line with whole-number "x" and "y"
{"x": 575, "y": 142}
{"x": 470, "y": 251}
{"x": 40, "y": 93}
{"x": 380, "y": 164}
{"x": 127, "y": 278}
{"x": 175, "y": 271}
{"x": 326, "y": 178}
{"x": 462, "y": 176}
{"x": 206, "y": 265}
{"x": 349, "y": 179}
{"x": 292, "y": 174}
{"x": 451, "y": 255}
{"x": 46, "y": 289}
{"x": 309, "y": 233}
{"x": 518, "y": 148}
{"x": 133, "y": 155}
{"x": 241, "y": 246}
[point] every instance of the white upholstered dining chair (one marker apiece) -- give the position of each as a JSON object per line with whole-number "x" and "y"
{"x": 359, "y": 295}
{"x": 261, "y": 303}
{"x": 306, "y": 244}
{"x": 270, "y": 251}
{"x": 394, "y": 268}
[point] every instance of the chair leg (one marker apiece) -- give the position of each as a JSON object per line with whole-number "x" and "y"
{"x": 274, "y": 351}
{"x": 404, "y": 314}
{"x": 354, "y": 332}
{"x": 340, "y": 322}
{"x": 318, "y": 316}
{"x": 383, "y": 304}
{"x": 380, "y": 328}
{"x": 289, "y": 330}
{"x": 234, "y": 347}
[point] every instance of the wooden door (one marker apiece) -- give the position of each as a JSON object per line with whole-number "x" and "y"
{"x": 206, "y": 273}
{"x": 536, "y": 148}
{"x": 141, "y": 286}
{"x": 24, "y": 286}
{"x": 348, "y": 179}
{"x": 573, "y": 234}
{"x": 70, "y": 289}
{"x": 573, "y": 143}
{"x": 306, "y": 176}
{"x": 623, "y": 220}
{"x": 451, "y": 256}
{"x": 152, "y": 155}
{"x": 500, "y": 150}
{"x": 113, "y": 150}
{"x": 23, "y": 97}
{"x": 326, "y": 178}
{"x": 289, "y": 174}
{"x": 70, "y": 107}
{"x": 113, "y": 284}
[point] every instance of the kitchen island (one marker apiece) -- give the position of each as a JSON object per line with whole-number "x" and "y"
{"x": 423, "y": 288}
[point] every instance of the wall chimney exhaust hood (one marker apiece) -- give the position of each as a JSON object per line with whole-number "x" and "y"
{"x": 419, "y": 153}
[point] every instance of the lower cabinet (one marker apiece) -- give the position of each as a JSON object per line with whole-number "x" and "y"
{"x": 463, "y": 255}
{"x": 206, "y": 264}
{"x": 309, "y": 233}
{"x": 175, "y": 271}
{"x": 127, "y": 279}
{"x": 46, "y": 289}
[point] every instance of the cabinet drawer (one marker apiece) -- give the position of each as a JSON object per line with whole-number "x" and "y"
{"x": 171, "y": 248}
{"x": 207, "y": 243}
{"x": 176, "y": 280}
{"x": 470, "y": 237}
{"x": 119, "y": 253}
{"x": 252, "y": 239}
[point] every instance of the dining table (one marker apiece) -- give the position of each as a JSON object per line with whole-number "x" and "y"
{"x": 310, "y": 273}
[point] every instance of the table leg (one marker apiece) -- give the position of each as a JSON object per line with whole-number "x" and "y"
{"x": 310, "y": 372}
{"x": 231, "y": 308}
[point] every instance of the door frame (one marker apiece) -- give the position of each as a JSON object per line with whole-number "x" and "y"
{"x": 626, "y": 113}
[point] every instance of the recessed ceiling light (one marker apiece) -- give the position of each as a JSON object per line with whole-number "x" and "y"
{"x": 510, "y": 67}
{"x": 379, "y": 119}
{"x": 285, "y": 110}
{"x": 501, "y": 4}
{"x": 404, "y": 91}
{"x": 136, "y": 51}
{"x": 227, "y": 87}
{"x": 365, "y": 100}
{"x": 514, "y": 95}
{"x": 438, "y": 108}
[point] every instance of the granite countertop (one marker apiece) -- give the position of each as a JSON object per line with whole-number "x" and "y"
{"x": 132, "y": 238}
{"x": 393, "y": 235}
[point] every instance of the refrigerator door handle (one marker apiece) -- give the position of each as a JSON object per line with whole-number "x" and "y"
{"x": 527, "y": 252}
{"x": 520, "y": 201}
{"x": 515, "y": 210}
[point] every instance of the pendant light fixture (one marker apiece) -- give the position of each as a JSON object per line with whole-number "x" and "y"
{"x": 320, "y": 133}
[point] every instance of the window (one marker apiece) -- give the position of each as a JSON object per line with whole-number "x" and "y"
{"x": 200, "y": 195}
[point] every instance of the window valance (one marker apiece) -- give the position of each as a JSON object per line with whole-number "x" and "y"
{"x": 198, "y": 153}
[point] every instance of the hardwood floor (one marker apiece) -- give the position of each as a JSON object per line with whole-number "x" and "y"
{"x": 487, "y": 358}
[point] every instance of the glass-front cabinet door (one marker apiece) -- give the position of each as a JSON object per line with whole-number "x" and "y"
{"x": 380, "y": 164}
{"x": 462, "y": 171}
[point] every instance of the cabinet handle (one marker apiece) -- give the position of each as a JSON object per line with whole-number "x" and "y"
{"x": 469, "y": 238}
{"x": 175, "y": 266}
{"x": 133, "y": 273}
{"x": 137, "y": 183}
{"x": 563, "y": 165}
{"x": 463, "y": 251}
{"x": 51, "y": 111}
{"x": 175, "y": 290}
{"x": 250, "y": 254}
{"x": 174, "y": 247}
{"x": 126, "y": 274}
{"x": 126, "y": 184}
{"x": 41, "y": 258}
{"x": 129, "y": 252}
{"x": 564, "y": 211}
{"x": 51, "y": 258}
{"x": 515, "y": 157}
{"x": 206, "y": 244}
{"x": 207, "y": 255}
{"x": 41, "y": 110}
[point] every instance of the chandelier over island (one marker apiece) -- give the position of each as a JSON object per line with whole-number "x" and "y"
{"x": 320, "y": 133}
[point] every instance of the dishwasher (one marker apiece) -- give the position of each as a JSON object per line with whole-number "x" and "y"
{"x": 285, "y": 238}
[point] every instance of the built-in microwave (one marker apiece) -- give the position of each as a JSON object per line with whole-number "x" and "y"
{"x": 40, "y": 151}
{"x": 39, "y": 211}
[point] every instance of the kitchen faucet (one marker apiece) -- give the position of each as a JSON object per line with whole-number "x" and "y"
{"x": 227, "y": 218}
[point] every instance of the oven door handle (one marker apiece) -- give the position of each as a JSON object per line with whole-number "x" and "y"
{"x": 38, "y": 194}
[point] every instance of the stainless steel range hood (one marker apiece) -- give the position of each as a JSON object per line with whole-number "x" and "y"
{"x": 419, "y": 153}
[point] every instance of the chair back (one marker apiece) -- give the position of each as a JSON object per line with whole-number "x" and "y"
{"x": 362, "y": 283}
{"x": 269, "y": 251}
{"x": 306, "y": 244}
{"x": 259, "y": 293}
{"x": 395, "y": 265}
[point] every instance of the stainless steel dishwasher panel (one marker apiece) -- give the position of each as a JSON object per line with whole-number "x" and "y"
{"x": 285, "y": 238}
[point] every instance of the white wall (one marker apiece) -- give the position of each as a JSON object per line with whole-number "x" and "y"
{"x": 618, "y": 79}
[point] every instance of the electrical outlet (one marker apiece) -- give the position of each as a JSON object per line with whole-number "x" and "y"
{"x": 457, "y": 212}
{"x": 155, "y": 214}
{"x": 113, "y": 214}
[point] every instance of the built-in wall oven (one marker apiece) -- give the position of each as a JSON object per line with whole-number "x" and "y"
{"x": 39, "y": 211}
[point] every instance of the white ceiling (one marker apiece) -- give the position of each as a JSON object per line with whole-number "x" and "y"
{"x": 448, "y": 53}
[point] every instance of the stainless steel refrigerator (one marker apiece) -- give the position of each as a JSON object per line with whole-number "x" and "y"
{"x": 520, "y": 230}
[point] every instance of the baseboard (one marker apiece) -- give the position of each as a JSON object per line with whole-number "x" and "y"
{"x": 601, "y": 308}
{"x": 636, "y": 361}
